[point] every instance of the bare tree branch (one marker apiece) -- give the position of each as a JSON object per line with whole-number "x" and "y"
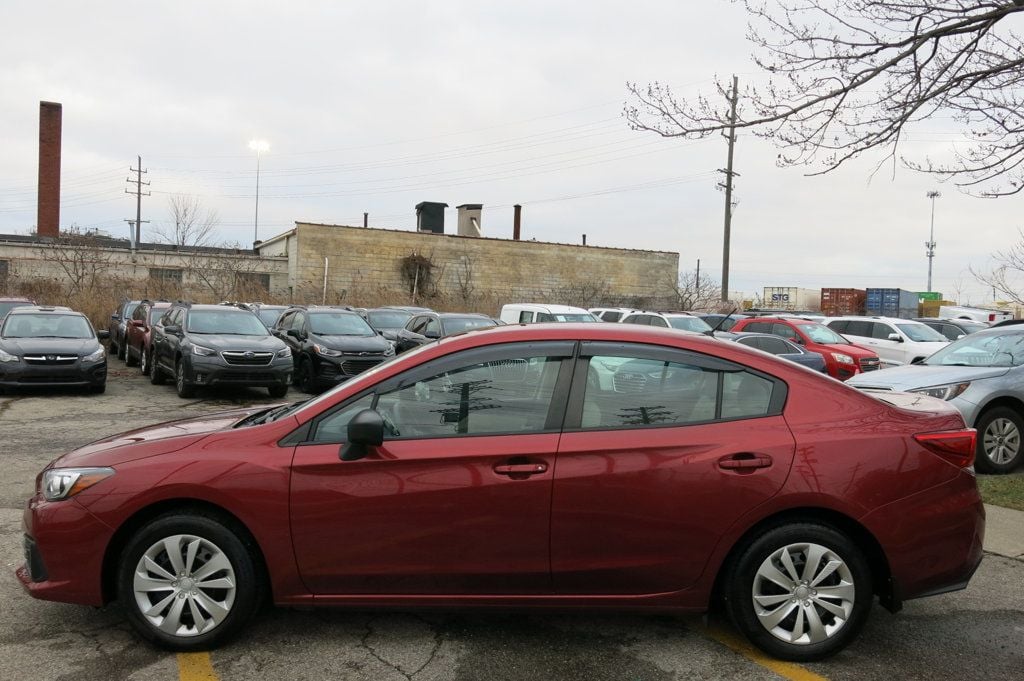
{"x": 193, "y": 226}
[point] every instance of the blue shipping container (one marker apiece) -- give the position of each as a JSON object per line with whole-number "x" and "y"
{"x": 891, "y": 302}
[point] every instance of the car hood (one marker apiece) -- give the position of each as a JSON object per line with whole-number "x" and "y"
{"x": 238, "y": 343}
{"x": 50, "y": 346}
{"x": 161, "y": 438}
{"x": 373, "y": 343}
{"x": 850, "y": 349}
{"x": 911, "y": 376}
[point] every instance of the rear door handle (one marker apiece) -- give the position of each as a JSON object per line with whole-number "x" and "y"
{"x": 745, "y": 462}
{"x": 520, "y": 468}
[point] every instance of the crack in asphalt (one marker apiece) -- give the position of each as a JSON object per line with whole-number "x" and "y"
{"x": 364, "y": 643}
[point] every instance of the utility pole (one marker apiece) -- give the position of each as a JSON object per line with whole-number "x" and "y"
{"x": 696, "y": 283}
{"x": 727, "y": 185}
{"x": 930, "y": 244}
{"x": 139, "y": 172}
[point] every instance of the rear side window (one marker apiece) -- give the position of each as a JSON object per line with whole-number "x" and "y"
{"x": 777, "y": 346}
{"x": 611, "y": 316}
{"x": 857, "y": 328}
{"x": 525, "y": 317}
{"x": 656, "y": 321}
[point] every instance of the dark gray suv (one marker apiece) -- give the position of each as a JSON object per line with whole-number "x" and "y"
{"x": 207, "y": 345}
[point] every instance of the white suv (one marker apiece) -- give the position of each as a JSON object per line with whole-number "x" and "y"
{"x": 611, "y": 314}
{"x": 684, "y": 321}
{"x": 896, "y": 341}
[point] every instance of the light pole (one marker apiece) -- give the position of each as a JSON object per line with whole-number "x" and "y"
{"x": 930, "y": 244}
{"x": 259, "y": 146}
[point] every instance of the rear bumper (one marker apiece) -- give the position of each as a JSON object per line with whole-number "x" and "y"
{"x": 933, "y": 540}
{"x": 22, "y": 374}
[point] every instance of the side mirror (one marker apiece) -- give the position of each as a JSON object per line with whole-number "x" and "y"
{"x": 918, "y": 360}
{"x": 963, "y": 335}
{"x": 295, "y": 333}
{"x": 116, "y": 317}
{"x": 366, "y": 429}
{"x": 172, "y": 329}
{"x": 103, "y": 334}
{"x": 137, "y": 323}
{"x": 895, "y": 337}
{"x": 433, "y": 335}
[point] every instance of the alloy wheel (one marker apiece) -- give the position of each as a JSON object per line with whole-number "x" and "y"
{"x": 1001, "y": 441}
{"x": 184, "y": 585}
{"x": 803, "y": 593}
{"x": 143, "y": 362}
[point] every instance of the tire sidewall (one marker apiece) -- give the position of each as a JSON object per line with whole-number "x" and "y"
{"x": 739, "y": 582}
{"x": 181, "y": 384}
{"x": 248, "y": 589}
{"x": 981, "y": 461}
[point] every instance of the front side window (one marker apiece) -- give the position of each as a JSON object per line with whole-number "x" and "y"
{"x": 1003, "y": 350}
{"x": 510, "y": 395}
{"x": 334, "y": 426}
{"x": 881, "y": 331}
{"x": 611, "y": 316}
{"x": 695, "y": 324}
{"x": 784, "y": 330}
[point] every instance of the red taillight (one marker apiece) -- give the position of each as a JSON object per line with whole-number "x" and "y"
{"x": 991, "y": 317}
{"x": 955, "y": 446}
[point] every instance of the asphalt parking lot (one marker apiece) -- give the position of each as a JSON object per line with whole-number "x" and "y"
{"x": 973, "y": 634}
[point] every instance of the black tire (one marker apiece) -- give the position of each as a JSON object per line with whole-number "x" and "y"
{"x": 307, "y": 377}
{"x": 130, "y": 360}
{"x": 277, "y": 391}
{"x": 122, "y": 351}
{"x": 739, "y": 584}
{"x": 184, "y": 388}
{"x": 114, "y": 349}
{"x": 156, "y": 374}
{"x": 992, "y": 454}
{"x": 98, "y": 389}
{"x": 145, "y": 362}
{"x": 215, "y": 534}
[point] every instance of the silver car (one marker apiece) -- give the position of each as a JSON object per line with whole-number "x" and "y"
{"x": 982, "y": 375}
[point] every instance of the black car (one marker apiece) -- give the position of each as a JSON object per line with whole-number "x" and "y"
{"x": 387, "y": 321}
{"x": 52, "y": 346}
{"x": 953, "y": 329}
{"x": 118, "y": 327}
{"x": 206, "y": 345}
{"x": 268, "y": 314}
{"x": 330, "y": 345}
{"x": 430, "y": 326}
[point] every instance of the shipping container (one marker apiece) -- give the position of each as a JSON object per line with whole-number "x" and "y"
{"x": 791, "y": 298}
{"x": 930, "y": 308}
{"x": 928, "y": 295}
{"x": 837, "y": 302}
{"x": 890, "y": 302}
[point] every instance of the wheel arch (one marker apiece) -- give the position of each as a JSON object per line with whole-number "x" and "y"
{"x": 1002, "y": 401}
{"x": 178, "y": 505}
{"x": 881, "y": 573}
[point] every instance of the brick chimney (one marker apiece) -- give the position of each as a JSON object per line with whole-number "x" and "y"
{"x": 48, "y": 208}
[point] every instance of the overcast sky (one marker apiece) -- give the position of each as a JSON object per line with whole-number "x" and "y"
{"x": 377, "y": 106}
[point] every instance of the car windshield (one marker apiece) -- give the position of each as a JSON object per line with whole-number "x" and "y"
{"x": 388, "y": 319}
{"x": 156, "y": 313}
{"x": 689, "y": 324}
{"x": 225, "y": 322}
{"x": 46, "y": 326}
{"x": 269, "y": 317}
{"x": 819, "y": 333}
{"x": 565, "y": 317}
{"x": 1002, "y": 350}
{"x": 921, "y": 333}
{"x": 339, "y": 324}
{"x": 7, "y": 307}
{"x": 458, "y": 324}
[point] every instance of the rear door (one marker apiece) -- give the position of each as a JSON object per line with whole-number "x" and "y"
{"x": 662, "y": 451}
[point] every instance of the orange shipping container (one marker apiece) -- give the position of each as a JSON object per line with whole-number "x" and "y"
{"x": 836, "y": 302}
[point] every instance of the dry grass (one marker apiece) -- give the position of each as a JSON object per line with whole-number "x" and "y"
{"x": 1003, "y": 490}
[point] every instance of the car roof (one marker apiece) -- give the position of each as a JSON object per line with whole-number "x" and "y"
{"x": 204, "y": 307}
{"x": 16, "y": 299}
{"x": 44, "y": 309}
{"x": 863, "y": 318}
{"x": 555, "y": 309}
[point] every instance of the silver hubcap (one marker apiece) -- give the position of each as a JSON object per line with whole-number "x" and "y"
{"x": 1001, "y": 441}
{"x": 142, "y": 361}
{"x": 184, "y": 585}
{"x": 803, "y": 593}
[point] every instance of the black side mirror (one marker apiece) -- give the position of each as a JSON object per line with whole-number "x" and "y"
{"x": 433, "y": 335}
{"x": 366, "y": 429}
{"x": 103, "y": 334}
{"x": 295, "y": 333}
{"x": 172, "y": 329}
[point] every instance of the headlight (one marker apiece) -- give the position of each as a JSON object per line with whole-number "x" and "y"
{"x": 326, "y": 352}
{"x": 286, "y": 352}
{"x": 63, "y": 483}
{"x": 390, "y": 350}
{"x": 943, "y": 392}
{"x": 7, "y": 357}
{"x": 96, "y": 356}
{"x": 841, "y": 358}
{"x": 205, "y": 352}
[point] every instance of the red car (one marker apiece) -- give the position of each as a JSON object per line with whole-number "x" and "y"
{"x": 139, "y": 334}
{"x": 843, "y": 359}
{"x": 551, "y": 466}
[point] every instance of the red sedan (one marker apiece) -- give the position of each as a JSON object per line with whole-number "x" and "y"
{"x": 552, "y": 465}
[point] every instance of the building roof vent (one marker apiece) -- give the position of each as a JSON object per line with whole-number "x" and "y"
{"x": 430, "y": 217}
{"x": 470, "y": 215}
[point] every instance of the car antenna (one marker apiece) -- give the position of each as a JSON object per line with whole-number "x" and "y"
{"x": 711, "y": 331}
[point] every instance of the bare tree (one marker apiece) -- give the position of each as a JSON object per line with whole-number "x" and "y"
{"x": 850, "y": 76}
{"x": 1007, "y": 276}
{"x": 81, "y": 258}
{"x": 693, "y": 293}
{"x": 193, "y": 225}
{"x": 464, "y": 275}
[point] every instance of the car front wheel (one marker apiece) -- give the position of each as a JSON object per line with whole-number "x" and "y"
{"x": 188, "y": 582}
{"x": 184, "y": 388}
{"x": 800, "y": 591}
{"x": 999, "y": 441}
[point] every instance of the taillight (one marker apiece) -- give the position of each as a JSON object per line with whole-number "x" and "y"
{"x": 991, "y": 317}
{"x": 955, "y": 446}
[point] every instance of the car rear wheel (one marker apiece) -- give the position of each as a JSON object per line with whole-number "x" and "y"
{"x": 130, "y": 359}
{"x": 800, "y": 591}
{"x": 184, "y": 388}
{"x": 999, "y": 447}
{"x": 188, "y": 582}
{"x": 122, "y": 351}
{"x": 156, "y": 374}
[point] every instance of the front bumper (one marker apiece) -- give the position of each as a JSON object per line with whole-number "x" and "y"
{"x": 78, "y": 373}
{"x": 209, "y": 371}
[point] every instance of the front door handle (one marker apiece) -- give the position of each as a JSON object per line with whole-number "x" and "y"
{"x": 745, "y": 462}
{"x": 520, "y": 468}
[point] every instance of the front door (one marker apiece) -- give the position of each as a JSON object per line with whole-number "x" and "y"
{"x": 457, "y": 500}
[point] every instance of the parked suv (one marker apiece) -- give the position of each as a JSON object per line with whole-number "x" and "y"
{"x": 138, "y": 338}
{"x": 953, "y": 329}
{"x": 204, "y": 345}
{"x": 52, "y": 346}
{"x": 843, "y": 359}
{"x": 897, "y": 341}
{"x": 330, "y": 345}
{"x": 8, "y": 304}
{"x": 119, "y": 325}
{"x": 387, "y": 321}
{"x": 429, "y": 326}
{"x": 610, "y": 314}
{"x": 683, "y": 321}
{"x": 528, "y": 313}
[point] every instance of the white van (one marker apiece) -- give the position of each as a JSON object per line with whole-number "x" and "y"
{"x": 529, "y": 313}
